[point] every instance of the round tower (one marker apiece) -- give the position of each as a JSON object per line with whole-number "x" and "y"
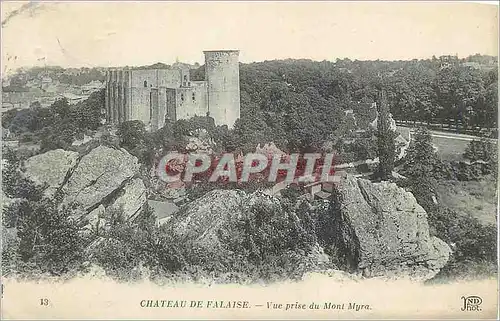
{"x": 222, "y": 74}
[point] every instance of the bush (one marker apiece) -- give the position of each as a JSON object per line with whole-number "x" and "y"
{"x": 10, "y": 251}
{"x": 474, "y": 245}
{"x": 472, "y": 240}
{"x": 49, "y": 238}
{"x": 469, "y": 172}
{"x": 482, "y": 149}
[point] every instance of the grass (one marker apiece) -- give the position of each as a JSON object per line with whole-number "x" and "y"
{"x": 477, "y": 198}
{"x": 450, "y": 149}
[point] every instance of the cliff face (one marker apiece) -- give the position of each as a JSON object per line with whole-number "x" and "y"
{"x": 383, "y": 231}
{"x": 103, "y": 178}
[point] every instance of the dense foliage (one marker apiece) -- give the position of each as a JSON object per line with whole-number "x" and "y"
{"x": 473, "y": 243}
{"x": 42, "y": 236}
{"x": 298, "y": 103}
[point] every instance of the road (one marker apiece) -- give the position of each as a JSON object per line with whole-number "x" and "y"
{"x": 449, "y": 135}
{"x": 450, "y": 146}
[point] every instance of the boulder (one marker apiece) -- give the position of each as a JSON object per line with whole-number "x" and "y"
{"x": 130, "y": 199}
{"x": 212, "y": 223}
{"x": 99, "y": 174}
{"x": 383, "y": 231}
{"x": 103, "y": 179}
{"x": 50, "y": 168}
{"x": 96, "y": 220}
{"x": 200, "y": 220}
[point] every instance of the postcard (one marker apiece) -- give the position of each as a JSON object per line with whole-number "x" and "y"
{"x": 249, "y": 160}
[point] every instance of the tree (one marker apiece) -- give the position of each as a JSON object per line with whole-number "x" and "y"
{"x": 481, "y": 149}
{"x": 385, "y": 139}
{"x": 23, "y": 121}
{"x": 487, "y": 116}
{"x": 61, "y": 108}
{"x": 8, "y": 117}
{"x": 132, "y": 134}
{"x": 421, "y": 159}
{"x": 87, "y": 114}
{"x": 459, "y": 91}
{"x": 14, "y": 184}
{"x": 60, "y": 136}
{"x": 49, "y": 237}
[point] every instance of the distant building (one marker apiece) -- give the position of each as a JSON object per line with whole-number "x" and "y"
{"x": 474, "y": 65}
{"x": 155, "y": 95}
{"x": 46, "y": 83}
{"x": 448, "y": 61}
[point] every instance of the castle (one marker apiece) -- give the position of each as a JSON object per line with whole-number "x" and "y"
{"x": 156, "y": 95}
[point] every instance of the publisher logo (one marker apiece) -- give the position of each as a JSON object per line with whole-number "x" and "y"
{"x": 471, "y": 303}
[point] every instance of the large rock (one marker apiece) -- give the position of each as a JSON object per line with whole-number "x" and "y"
{"x": 104, "y": 179}
{"x": 50, "y": 168}
{"x": 383, "y": 231}
{"x": 213, "y": 223}
{"x": 131, "y": 199}
{"x": 99, "y": 174}
{"x": 200, "y": 220}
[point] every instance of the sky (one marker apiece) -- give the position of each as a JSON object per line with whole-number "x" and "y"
{"x": 76, "y": 34}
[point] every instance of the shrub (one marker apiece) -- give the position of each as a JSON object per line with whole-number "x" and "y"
{"x": 482, "y": 149}
{"x": 49, "y": 238}
{"x": 474, "y": 245}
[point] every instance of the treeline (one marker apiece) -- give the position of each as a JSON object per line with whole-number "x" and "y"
{"x": 306, "y": 106}
{"x": 301, "y": 101}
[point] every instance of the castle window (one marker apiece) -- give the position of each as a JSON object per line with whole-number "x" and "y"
{"x": 145, "y": 83}
{"x": 185, "y": 78}
{"x": 182, "y": 97}
{"x": 194, "y": 96}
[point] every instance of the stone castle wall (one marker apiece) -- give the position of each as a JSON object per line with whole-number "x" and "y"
{"x": 153, "y": 95}
{"x": 223, "y": 86}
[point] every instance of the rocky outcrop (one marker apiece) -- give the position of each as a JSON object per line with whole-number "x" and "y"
{"x": 131, "y": 198}
{"x": 236, "y": 229}
{"x": 377, "y": 229}
{"x": 103, "y": 179}
{"x": 383, "y": 231}
{"x": 200, "y": 220}
{"x": 99, "y": 173}
{"x": 50, "y": 168}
